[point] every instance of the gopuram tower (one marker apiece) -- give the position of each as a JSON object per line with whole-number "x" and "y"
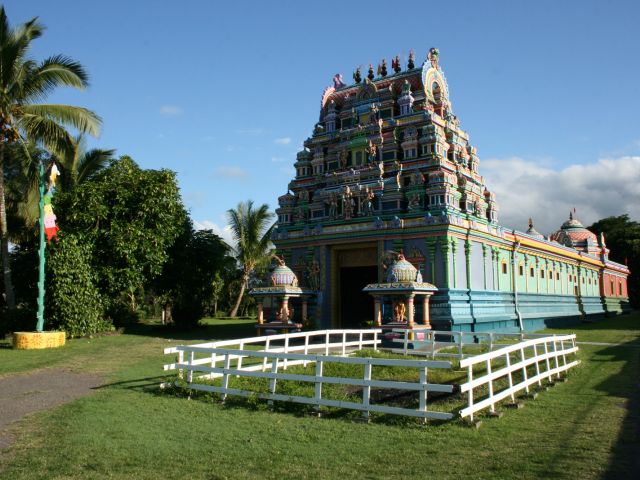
{"x": 389, "y": 171}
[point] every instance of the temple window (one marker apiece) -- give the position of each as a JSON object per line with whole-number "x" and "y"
{"x": 532, "y": 272}
{"x": 436, "y": 199}
{"x": 613, "y": 292}
{"x": 557, "y": 275}
{"x": 521, "y": 270}
{"x": 504, "y": 267}
{"x": 542, "y": 273}
{"x": 620, "y": 289}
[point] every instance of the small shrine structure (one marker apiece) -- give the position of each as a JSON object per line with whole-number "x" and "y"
{"x": 395, "y": 300}
{"x": 280, "y": 315}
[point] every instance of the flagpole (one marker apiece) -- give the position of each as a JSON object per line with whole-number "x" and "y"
{"x": 41, "y": 185}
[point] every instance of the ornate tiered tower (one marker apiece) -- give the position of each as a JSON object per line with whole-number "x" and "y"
{"x": 388, "y": 168}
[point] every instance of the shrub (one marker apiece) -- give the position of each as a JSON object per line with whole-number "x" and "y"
{"x": 72, "y": 300}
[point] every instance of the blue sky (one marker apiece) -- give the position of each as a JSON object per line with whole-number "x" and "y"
{"x": 224, "y": 93}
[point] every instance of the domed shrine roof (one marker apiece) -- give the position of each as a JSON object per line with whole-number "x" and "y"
{"x": 533, "y": 232}
{"x": 283, "y": 276}
{"x": 402, "y": 271}
{"x": 573, "y": 234}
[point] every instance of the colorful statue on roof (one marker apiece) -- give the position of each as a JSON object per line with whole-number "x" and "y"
{"x": 338, "y": 82}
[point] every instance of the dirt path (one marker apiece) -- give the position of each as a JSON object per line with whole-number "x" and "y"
{"x": 22, "y": 394}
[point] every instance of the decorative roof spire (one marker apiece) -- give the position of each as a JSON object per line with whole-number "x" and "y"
{"x": 410, "y": 64}
{"x": 370, "y": 75}
{"x": 382, "y": 69}
{"x": 432, "y": 56}
{"x": 395, "y": 64}
{"x": 356, "y": 75}
{"x": 338, "y": 82}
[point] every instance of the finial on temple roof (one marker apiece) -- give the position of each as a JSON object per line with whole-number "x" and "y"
{"x": 395, "y": 64}
{"x": 411, "y": 65}
{"x": 571, "y": 215}
{"x": 382, "y": 68}
{"x": 432, "y": 56}
{"x": 356, "y": 75}
{"x": 338, "y": 82}
{"x": 530, "y": 223}
{"x": 370, "y": 74}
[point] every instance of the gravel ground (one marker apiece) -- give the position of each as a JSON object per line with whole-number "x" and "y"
{"x": 26, "y": 393}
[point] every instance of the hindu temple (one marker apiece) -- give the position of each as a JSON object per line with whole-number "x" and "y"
{"x": 390, "y": 176}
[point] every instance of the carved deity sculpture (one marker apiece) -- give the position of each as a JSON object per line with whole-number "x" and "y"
{"x": 333, "y": 206}
{"x": 314, "y": 275}
{"x": 399, "y": 310}
{"x": 381, "y": 169}
{"x": 344, "y": 155}
{"x": 372, "y": 152}
{"x": 338, "y": 82}
{"x": 347, "y": 204}
{"x": 367, "y": 203}
{"x": 414, "y": 202}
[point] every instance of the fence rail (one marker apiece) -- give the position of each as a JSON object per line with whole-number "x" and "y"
{"x": 547, "y": 355}
{"x": 211, "y": 366}
{"x": 217, "y": 361}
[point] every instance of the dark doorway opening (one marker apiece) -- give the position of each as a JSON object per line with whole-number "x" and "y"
{"x": 356, "y": 307}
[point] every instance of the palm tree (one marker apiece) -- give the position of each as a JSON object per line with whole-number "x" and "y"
{"x": 251, "y": 231}
{"x": 77, "y": 164}
{"x": 23, "y": 84}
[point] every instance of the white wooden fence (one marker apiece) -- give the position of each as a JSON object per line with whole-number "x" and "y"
{"x": 268, "y": 357}
{"x": 445, "y": 343}
{"x": 217, "y": 360}
{"x": 547, "y": 355}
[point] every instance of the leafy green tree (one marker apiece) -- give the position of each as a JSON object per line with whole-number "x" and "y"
{"x": 196, "y": 261}
{"x": 130, "y": 217}
{"x": 251, "y": 229}
{"x": 622, "y": 236}
{"x": 24, "y": 83}
{"x": 73, "y": 303}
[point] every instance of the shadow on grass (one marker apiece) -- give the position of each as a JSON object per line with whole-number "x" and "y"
{"x": 624, "y": 461}
{"x": 218, "y": 330}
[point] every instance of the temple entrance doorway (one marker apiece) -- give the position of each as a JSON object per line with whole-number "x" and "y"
{"x": 355, "y": 305}
{"x": 353, "y": 267}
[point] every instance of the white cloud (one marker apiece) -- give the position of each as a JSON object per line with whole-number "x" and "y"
{"x": 229, "y": 171}
{"x": 170, "y": 110}
{"x": 222, "y": 232}
{"x": 525, "y": 188}
{"x": 282, "y": 141}
{"x": 278, "y": 159}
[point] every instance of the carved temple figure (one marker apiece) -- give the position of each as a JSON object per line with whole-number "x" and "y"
{"x": 372, "y": 152}
{"x": 381, "y": 168}
{"x": 347, "y": 203}
{"x": 432, "y": 56}
{"x": 399, "y": 174}
{"x": 338, "y": 81}
{"x": 333, "y": 206}
{"x": 314, "y": 275}
{"x": 414, "y": 202}
{"x": 367, "y": 204}
{"x": 399, "y": 310}
{"x": 417, "y": 178}
{"x": 342, "y": 158}
{"x": 373, "y": 113}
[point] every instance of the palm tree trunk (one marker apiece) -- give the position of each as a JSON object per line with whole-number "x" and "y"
{"x": 4, "y": 237}
{"x": 245, "y": 281}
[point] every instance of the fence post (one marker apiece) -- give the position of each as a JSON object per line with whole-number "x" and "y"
{"x": 180, "y": 362}
{"x": 564, "y": 354}
{"x": 460, "y": 347}
{"x": 286, "y": 350}
{"x": 326, "y": 343}
{"x": 524, "y": 370}
{"x": 274, "y": 370}
{"x": 190, "y": 373}
{"x": 344, "y": 341}
{"x": 318, "y": 389}
{"x": 535, "y": 355}
{"x": 492, "y": 407}
{"x": 546, "y": 354}
{"x": 423, "y": 393}
{"x": 214, "y": 360}
{"x": 375, "y": 341}
{"x": 366, "y": 391}
{"x": 405, "y": 347}
{"x": 433, "y": 346}
{"x": 555, "y": 356}
{"x": 240, "y": 357}
{"x": 360, "y": 340}
{"x": 266, "y": 349}
{"x": 508, "y": 359}
{"x": 491, "y": 341}
{"x": 470, "y": 395}
{"x": 225, "y": 375}
{"x": 306, "y": 348}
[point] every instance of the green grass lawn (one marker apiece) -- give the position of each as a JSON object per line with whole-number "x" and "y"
{"x": 129, "y": 429}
